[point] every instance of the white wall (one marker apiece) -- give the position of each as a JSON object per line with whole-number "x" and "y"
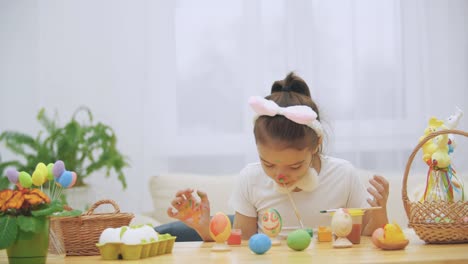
{"x": 172, "y": 77}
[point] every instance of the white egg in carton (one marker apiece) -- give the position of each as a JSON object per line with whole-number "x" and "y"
{"x": 134, "y": 242}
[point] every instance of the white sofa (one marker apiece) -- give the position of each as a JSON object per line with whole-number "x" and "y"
{"x": 218, "y": 188}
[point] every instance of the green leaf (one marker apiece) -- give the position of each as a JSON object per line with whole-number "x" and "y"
{"x": 8, "y": 231}
{"x": 30, "y": 224}
{"x": 54, "y": 206}
{"x": 69, "y": 213}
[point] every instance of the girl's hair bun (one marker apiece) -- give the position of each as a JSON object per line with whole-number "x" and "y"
{"x": 292, "y": 83}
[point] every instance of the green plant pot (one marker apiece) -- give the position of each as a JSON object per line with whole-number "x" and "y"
{"x": 30, "y": 247}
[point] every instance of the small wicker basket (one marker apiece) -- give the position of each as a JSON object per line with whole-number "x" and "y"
{"x": 422, "y": 216}
{"x": 81, "y": 233}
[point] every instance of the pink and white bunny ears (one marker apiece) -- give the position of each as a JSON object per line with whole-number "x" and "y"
{"x": 300, "y": 114}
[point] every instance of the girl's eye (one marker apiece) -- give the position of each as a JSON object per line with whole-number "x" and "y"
{"x": 268, "y": 165}
{"x": 295, "y": 167}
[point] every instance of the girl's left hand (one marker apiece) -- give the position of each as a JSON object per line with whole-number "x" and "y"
{"x": 379, "y": 190}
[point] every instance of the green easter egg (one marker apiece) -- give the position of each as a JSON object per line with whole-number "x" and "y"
{"x": 25, "y": 179}
{"x": 50, "y": 174}
{"x": 299, "y": 239}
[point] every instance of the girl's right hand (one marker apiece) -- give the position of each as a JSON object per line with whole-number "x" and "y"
{"x": 192, "y": 211}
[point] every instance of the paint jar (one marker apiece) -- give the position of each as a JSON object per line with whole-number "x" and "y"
{"x": 356, "y": 216}
{"x": 235, "y": 238}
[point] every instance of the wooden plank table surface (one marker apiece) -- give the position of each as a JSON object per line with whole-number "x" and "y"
{"x": 318, "y": 252}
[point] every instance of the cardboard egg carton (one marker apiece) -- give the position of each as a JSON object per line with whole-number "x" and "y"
{"x": 113, "y": 251}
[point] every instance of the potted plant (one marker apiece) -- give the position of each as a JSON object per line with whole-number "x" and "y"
{"x": 86, "y": 147}
{"x": 24, "y": 214}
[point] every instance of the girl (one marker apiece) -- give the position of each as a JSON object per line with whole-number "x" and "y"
{"x": 289, "y": 137}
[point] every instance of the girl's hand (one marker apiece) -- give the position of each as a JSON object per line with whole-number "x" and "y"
{"x": 379, "y": 190}
{"x": 192, "y": 211}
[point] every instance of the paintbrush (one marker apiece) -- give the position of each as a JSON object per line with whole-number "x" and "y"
{"x": 364, "y": 209}
{"x": 294, "y": 206}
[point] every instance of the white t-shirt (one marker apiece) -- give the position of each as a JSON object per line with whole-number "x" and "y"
{"x": 339, "y": 186}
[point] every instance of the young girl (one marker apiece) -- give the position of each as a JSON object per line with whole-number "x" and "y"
{"x": 289, "y": 137}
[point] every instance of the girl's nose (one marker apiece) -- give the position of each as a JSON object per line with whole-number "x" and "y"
{"x": 281, "y": 177}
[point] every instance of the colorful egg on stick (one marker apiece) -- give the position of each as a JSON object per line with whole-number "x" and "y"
{"x": 12, "y": 175}
{"x": 50, "y": 174}
{"x": 220, "y": 230}
{"x": 25, "y": 179}
{"x": 58, "y": 169}
{"x": 65, "y": 179}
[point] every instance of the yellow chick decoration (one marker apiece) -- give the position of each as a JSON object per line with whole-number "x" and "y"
{"x": 391, "y": 237}
{"x": 393, "y": 233}
{"x": 430, "y": 147}
{"x": 440, "y": 158}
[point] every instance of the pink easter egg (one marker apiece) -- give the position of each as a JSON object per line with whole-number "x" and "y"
{"x": 220, "y": 227}
{"x": 74, "y": 176}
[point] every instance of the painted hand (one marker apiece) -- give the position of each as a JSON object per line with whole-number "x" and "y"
{"x": 194, "y": 212}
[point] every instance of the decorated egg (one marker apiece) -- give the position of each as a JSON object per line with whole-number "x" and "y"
{"x": 271, "y": 222}
{"x": 259, "y": 243}
{"x": 341, "y": 223}
{"x": 220, "y": 227}
{"x": 299, "y": 239}
{"x": 50, "y": 174}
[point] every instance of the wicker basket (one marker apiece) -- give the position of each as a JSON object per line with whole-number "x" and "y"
{"x": 81, "y": 233}
{"x": 423, "y": 216}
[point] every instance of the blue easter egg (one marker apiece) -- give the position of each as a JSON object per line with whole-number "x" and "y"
{"x": 259, "y": 243}
{"x": 65, "y": 179}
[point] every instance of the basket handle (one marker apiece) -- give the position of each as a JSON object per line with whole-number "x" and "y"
{"x": 404, "y": 193}
{"x": 98, "y": 203}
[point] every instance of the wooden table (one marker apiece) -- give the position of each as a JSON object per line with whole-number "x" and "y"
{"x": 318, "y": 252}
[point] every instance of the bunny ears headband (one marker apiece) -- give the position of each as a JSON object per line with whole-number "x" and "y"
{"x": 300, "y": 114}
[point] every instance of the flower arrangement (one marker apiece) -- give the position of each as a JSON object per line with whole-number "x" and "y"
{"x": 27, "y": 206}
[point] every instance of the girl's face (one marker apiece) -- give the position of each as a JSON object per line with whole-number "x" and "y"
{"x": 289, "y": 164}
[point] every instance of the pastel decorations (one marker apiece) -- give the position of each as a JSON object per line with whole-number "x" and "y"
{"x": 58, "y": 169}
{"x": 39, "y": 175}
{"x": 271, "y": 222}
{"x": 65, "y": 180}
{"x": 50, "y": 174}
{"x": 25, "y": 179}
{"x": 12, "y": 175}
{"x": 259, "y": 243}
{"x": 299, "y": 239}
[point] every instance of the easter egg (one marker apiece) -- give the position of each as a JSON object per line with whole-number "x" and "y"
{"x": 341, "y": 223}
{"x": 50, "y": 174}
{"x": 65, "y": 179}
{"x": 42, "y": 170}
{"x": 220, "y": 227}
{"x": 271, "y": 222}
{"x": 37, "y": 178}
{"x": 298, "y": 239}
{"x": 12, "y": 175}
{"x": 110, "y": 235}
{"x": 58, "y": 169}
{"x": 25, "y": 179}
{"x": 376, "y": 235}
{"x": 131, "y": 236}
{"x": 259, "y": 243}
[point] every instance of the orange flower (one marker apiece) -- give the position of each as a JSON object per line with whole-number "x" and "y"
{"x": 5, "y": 195}
{"x": 35, "y": 196}
{"x": 25, "y": 198}
{"x": 15, "y": 202}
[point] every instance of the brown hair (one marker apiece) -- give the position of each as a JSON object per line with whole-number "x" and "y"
{"x": 285, "y": 133}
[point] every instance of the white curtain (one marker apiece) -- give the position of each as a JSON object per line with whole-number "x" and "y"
{"x": 173, "y": 77}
